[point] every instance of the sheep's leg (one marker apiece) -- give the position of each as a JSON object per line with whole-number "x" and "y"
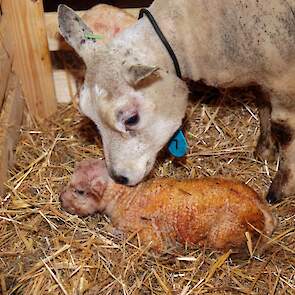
{"x": 266, "y": 146}
{"x": 283, "y": 127}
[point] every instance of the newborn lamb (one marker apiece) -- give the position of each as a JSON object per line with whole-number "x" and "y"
{"x": 210, "y": 212}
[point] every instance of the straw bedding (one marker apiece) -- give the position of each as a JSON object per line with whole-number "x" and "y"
{"x": 44, "y": 250}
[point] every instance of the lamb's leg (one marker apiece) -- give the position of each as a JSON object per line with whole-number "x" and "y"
{"x": 283, "y": 127}
{"x": 147, "y": 232}
{"x": 148, "y": 237}
{"x": 266, "y": 146}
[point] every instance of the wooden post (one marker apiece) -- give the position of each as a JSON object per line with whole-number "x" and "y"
{"x": 25, "y": 38}
{"x": 10, "y": 121}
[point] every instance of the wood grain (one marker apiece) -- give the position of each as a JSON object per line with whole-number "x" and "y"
{"x": 10, "y": 121}
{"x": 25, "y": 35}
{"x": 5, "y": 69}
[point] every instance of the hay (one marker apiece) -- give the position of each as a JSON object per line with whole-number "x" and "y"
{"x": 44, "y": 250}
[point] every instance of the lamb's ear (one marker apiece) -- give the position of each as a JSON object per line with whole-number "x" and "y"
{"x": 75, "y": 31}
{"x": 134, "y": 74}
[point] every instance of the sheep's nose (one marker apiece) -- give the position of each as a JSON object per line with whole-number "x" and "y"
{"x": 120, "y": 179}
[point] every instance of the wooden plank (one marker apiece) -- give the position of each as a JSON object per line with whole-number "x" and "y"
{"x": 10, "y": 121}
{"x": 54, "y": 39}
{"x": 30, "y": 55}
{"x": 65, "y": 86}
{"x": 5, "y": 69}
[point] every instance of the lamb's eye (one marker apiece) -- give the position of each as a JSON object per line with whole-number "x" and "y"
{"x": 133, "y": 120}
{"x": 79, "y": 192}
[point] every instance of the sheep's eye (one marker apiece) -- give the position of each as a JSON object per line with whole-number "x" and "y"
{"x": 133, "y": 120}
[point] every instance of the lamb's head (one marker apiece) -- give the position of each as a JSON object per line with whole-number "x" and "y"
{"x": 86, "y": 188}
{"x": 137, "y": 108}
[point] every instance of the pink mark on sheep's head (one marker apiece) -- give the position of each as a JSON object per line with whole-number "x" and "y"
{"x": 136, "y": 107}
{"x": 86, "y": 188}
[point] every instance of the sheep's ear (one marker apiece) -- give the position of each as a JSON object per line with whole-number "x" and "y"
{"x": 136, "y": 73}
{"x": 75, "y": 31}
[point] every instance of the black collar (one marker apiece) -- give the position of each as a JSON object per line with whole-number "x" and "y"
{"x": 177, "y": 146}
{"x": 162, "y": 38}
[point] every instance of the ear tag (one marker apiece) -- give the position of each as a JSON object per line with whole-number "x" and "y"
{"x": 178, "y": 146}
{"x": 94, "y": 37}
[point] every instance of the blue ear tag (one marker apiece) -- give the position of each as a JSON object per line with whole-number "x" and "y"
{"x": 178, "y": 146}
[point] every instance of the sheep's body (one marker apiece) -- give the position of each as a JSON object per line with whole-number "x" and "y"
{"x": 107, "y": 21}
{"x": 226, "y": 44}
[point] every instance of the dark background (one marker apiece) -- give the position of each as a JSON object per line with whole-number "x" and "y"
{"x": 51, "y": 5}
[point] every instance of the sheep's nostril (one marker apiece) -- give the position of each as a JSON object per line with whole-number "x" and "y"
{"x": 118, "y": 178}
{"x": 121, "y": 179}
